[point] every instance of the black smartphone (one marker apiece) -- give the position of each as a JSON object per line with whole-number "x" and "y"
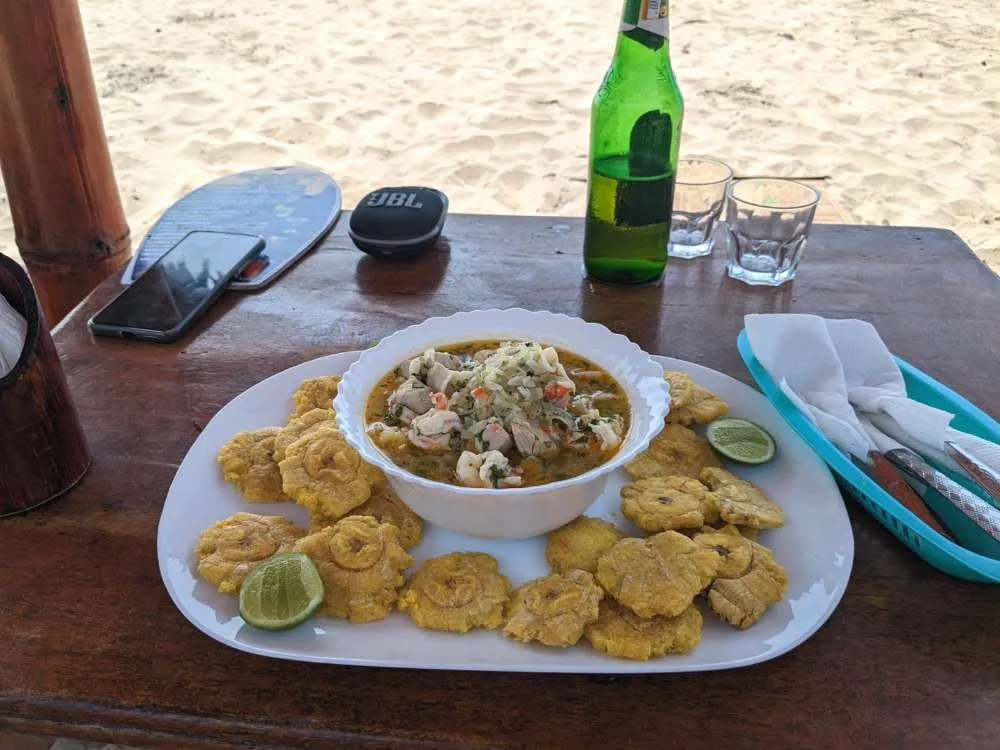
{"x": 170, "y": 295}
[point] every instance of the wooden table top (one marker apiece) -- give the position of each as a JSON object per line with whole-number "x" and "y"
{"x": 95, "y": 649}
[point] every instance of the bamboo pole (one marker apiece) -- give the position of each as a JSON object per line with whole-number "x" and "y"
{"x": 68, "y": 219}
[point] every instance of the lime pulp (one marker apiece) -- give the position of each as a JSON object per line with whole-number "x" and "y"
{"x": 282, "y": 592}
{"x": 740, "y": 440}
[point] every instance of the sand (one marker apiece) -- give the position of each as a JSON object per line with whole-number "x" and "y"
{"x": 897, "y": 102}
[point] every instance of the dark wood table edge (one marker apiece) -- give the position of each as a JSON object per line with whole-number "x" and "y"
{"x": 949, "y": 235}
{"x": 129, "y": 725}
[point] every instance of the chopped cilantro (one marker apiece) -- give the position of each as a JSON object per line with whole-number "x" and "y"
{"x": 496, "y": 474}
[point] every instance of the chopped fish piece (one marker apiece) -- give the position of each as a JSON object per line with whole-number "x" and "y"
{"x": 434, "y": 430}
{"x": 489, "y": 469}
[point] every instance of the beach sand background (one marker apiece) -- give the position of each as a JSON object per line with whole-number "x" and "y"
{"x": 897, "y": 102}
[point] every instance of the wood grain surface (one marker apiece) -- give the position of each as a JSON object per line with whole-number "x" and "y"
{"x": 911, "y": 658}
{"x": 68, "y": 218}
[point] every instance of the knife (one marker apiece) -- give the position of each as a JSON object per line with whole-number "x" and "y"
{"x": 893, "y": 482}
{"x": 980, "y": 473}
{"x": 984, "y": 515}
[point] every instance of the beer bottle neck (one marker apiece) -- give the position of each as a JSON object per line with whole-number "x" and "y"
{"x": 645, "y": 22}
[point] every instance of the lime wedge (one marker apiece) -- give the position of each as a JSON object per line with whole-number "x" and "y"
{"x": 741, "y": 440}
{"x": 281, "y": 592}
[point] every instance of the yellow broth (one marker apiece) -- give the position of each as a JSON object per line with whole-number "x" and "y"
{"x": 588, "y": 378}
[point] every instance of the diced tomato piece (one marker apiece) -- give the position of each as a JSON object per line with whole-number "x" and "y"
{"x": 554, "y": 391}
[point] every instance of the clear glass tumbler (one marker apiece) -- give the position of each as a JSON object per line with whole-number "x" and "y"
{"x": 699, "y": 194}
{"x": 768, "y": 222}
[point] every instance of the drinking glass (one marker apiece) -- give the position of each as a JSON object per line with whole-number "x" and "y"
{"x": 699, "y": 194}
{"x": 768, "y": 223}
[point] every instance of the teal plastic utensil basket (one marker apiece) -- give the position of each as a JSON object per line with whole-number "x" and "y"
{"x": 934, "y": 548}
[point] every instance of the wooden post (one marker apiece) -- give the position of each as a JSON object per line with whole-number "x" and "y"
{"x": 68, "y": 219}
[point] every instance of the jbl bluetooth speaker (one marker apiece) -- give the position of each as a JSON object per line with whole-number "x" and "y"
{"x": 398, "y": 221}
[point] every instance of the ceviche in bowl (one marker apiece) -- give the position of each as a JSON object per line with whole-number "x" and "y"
{"x": 501, "y": 423}
{"x": 497, "y": 414}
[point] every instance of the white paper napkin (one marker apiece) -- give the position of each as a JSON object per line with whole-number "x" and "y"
{"x": 842, "y": 375}
{"x": 13, "y": 331}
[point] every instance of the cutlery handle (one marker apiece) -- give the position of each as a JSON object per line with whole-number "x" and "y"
{"x": 981, "y": 474}
{"x": 892, "y": 481}
{"x": 982, "y": 513}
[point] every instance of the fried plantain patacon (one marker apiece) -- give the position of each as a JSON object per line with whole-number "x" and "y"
{"x": 681, "y": 389}
{"x": 663, "y": 503}
{"x": 229, "y": 549}
{"x": 742, "y": 601}
{"x": 621, "y": 632}
{"x": 735, "y": 551}
{"x": 676, "y": 451}
{"x": 248, "y": 462}
{"x": 315, "y": 393}
{"x": 298, "y": 426}
{"x": 659, "y": 575}
{"x": 578, "y": 544}
{"x": 742, "y": 503}
{"x": 554, "y": 609}
{"x": 457, "y": 592}
{"x": 323, "y": 473}
{"x": 361, "y": 563}
{"x": 384, "y": 505}
{"x": 703, "y": 406}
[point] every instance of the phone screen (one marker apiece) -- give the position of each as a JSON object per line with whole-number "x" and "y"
{"x": 180, "y": 282}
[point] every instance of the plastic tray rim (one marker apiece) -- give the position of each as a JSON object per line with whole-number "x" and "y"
{"x": 974, "y": 566}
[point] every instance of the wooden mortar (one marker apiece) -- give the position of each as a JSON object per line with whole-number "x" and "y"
{"x": 43, "y": 452}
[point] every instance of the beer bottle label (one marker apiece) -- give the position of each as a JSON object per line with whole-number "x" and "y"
{"x": 653, "y": 17}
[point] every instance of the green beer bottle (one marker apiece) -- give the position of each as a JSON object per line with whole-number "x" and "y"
{"x": 635, "y": 128}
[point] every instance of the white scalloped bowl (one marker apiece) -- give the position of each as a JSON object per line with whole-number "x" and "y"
{"x": 517, "y": 512}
